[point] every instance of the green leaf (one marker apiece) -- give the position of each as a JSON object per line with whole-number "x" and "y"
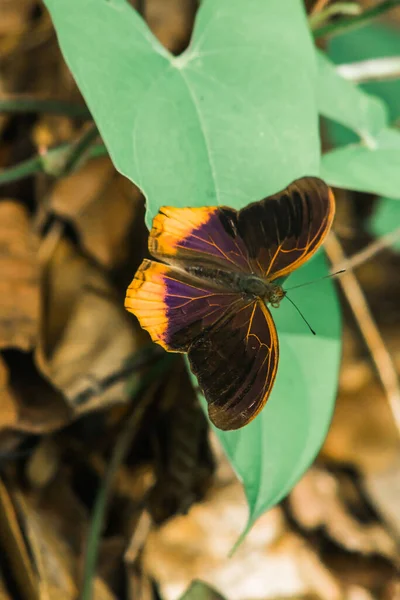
{"x": 374, "y": 170}
{"x": 344, "y": 102}
{"x": 373, "y": 41}
{"x": 198, "y": 590}
{"x": 272, "y": 452}
{"x": 386, "y": 218}
{"x": 231, "y": 120}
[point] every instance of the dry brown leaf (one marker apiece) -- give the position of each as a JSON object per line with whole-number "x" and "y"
{"x": 101, "y": 204}
{"x": 383, "y": 489}
{"x": 43, "y": 464}
{"x": 15, "y": 16}
{"x": 86, "y": 335}
{"x": 184, "y": 462}
{"x": 139, "y": 585}
{"x": 393, "y": 590}
{"x": 356, "y": 592}
{"x": 316, "y": 502}
{"x": 356, "y": 371}
{"x": 66, "y": 511}
{"x": 4, "y": 595}
{"x": 19, "y": 283}
{"x": 111, "y": 551}
{"x": 371, "y": 574}
{"x": 23, "y": 49}
{"x": 52, "y": 557}
{"x": 363, "y": 432}
{"x": 269, "y": 563}
{"x": 3, "y": 122}
{"x": 315, "y": 577}
{"x": 29, "y": 404}
{"x": 171, "y": 21}
{"x": 48, "y": 557}
{"x": 13, "y": 543}
{"x": 9, "y": 410}
{"x": 32, "y": 64}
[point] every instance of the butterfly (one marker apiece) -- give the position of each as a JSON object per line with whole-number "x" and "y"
{"x": 208, "y": 297}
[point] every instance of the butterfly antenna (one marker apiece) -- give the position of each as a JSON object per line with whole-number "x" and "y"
{"x": 331, "y": 275}
{"x": 301, "y": 314}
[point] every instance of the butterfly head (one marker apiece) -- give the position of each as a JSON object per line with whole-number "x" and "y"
{"x": 275, "y": 295}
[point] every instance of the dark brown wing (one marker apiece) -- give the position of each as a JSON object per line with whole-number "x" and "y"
{"x": 235, "y": 362}
{"x": 283, "y": 231}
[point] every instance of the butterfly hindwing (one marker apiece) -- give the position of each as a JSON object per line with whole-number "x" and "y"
{"x": 231, "y": 342}
{"x": 236, "y": 363}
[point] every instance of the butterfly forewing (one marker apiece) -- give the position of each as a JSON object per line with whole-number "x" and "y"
{"x": 283, "y": 231}
{"x": 198, "y": 236}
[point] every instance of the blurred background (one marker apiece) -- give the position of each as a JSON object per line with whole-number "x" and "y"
{"x": 110, "y": 482}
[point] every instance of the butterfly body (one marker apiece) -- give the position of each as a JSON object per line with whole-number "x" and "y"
{"x": 251, "y": 285}
{"x": 219, "y": 270}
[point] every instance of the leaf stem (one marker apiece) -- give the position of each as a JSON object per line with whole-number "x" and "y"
{"x": 371, "y": 250}
{"x": 27, "y": 104}
{"x": 38, "y": 164}
{"x": 21, "y": 170}
{"x": 319, "y": 6}
{"x": 355, "y": 22}
{"x": 79, "y": 148}
{"x": 340, "y": 8}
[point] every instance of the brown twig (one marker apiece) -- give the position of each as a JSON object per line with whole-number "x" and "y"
{"x": 318, "y": 6}
{"x": 380, "y": 355}
{"x": 369, "y": 251}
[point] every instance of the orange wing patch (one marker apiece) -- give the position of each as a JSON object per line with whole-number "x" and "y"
{"x": 172, "y": 225}
{"x": 145, "y": 299}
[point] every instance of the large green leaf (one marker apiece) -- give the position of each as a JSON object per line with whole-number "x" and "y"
{"x": 366, "y": 169}
{"x": 199, "y": 590}
{"x": 344, "y": 102}
{"x": 386, "y": 218}
{"x": 372, "y": 41}
{"x": 363, "y": 168}
{"x": 229, "y": 121}
{"x": 272, "y": 452}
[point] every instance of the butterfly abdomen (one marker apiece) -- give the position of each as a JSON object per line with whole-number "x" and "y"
{"x": 221, "y": 279}
{"x": 248, "y": 285}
